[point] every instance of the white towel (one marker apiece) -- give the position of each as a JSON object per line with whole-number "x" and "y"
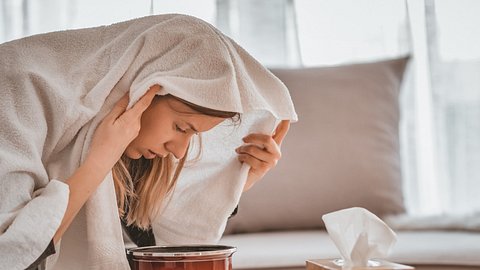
{"x": 62, "y": 84}
{"x": 209, "y": 189}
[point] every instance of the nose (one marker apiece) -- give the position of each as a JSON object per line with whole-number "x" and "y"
{"x": 179, "y": 146}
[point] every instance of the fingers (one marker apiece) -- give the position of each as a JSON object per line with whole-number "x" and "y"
{"x": 281, "y": 131}
{"x": 255, "y": 164}
{"x": 119, "y": 108}
{"x": 143, "y": 103}
{"x": 138, "y": 108}
{"x": 134, "y": 113}
{"x": 270, "y": 143}
{"x": 258, "y": 153}
{"x": 262, "y": 152}
{"x": 262, "y": 141}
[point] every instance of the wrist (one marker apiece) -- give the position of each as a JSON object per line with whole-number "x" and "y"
{"x": 96, "y": 166}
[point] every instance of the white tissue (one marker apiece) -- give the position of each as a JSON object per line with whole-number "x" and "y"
{"x": 359, "y": 236}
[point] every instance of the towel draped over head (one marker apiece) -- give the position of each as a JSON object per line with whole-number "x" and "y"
{"x": 56, "y": 89}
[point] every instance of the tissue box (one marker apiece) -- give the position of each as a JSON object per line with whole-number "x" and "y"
{"x": 332, "y": 264}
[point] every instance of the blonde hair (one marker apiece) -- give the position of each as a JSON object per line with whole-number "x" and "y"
{"x": 142, "y": 185}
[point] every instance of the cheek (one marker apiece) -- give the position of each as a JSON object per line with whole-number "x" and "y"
{"x": 156, "y": 127}
{"x": 153, "y": 133}
{"x": 149, "y": 137}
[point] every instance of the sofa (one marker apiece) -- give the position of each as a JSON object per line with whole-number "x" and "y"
{"x": 343, "y": 152}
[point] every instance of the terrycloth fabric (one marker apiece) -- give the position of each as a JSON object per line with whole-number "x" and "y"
{"x": 57, "y": 87}
{"x": 209, "y": 189}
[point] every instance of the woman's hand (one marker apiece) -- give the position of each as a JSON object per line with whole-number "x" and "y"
{"x": 117, "y": 130}
{"x": 109, "y": 141}
{"x": 262, "y": 152}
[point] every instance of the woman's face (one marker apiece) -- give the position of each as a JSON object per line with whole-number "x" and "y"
{"x": 167, "y": 126}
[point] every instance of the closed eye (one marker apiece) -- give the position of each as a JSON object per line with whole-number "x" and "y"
{"x": 177, "y": 128}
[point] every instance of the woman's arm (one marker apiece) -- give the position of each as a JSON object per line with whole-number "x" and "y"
{"x": 111, "y": 138}
{"x": 82, "y": 184}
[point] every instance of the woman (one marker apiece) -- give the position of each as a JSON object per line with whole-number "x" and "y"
{"x": 70, "y": 112}
{"x": 139, "y": 191}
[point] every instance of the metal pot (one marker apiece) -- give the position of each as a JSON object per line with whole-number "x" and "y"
{"x": 195, "y": 257}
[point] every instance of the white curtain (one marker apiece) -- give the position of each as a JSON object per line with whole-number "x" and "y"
{"x": 440, "y": 127}
{"x": 446, "y": 39}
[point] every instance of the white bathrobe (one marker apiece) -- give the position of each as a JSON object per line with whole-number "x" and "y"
{"x": 57, "y": 87}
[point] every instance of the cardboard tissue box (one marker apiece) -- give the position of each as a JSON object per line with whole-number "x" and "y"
{"x": 333, "y": 264}
{"x": 361, "y": 238}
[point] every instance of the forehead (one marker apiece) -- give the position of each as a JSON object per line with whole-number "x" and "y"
{"x": 180, "y": 108}
{"x": 183, "y": 112}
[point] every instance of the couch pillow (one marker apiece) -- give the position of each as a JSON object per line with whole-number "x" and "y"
{"x": 343, "y": 152}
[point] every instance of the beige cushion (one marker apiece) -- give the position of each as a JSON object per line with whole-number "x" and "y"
{"x": 343, "y": 152}
{"x": 279, "y": 250}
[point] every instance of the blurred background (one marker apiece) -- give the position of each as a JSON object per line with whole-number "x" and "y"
{"x": 440, "y": 99}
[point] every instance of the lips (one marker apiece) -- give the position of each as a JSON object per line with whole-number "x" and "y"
{"x": 154, "y": 154}
{"x": 149, "y": 154}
